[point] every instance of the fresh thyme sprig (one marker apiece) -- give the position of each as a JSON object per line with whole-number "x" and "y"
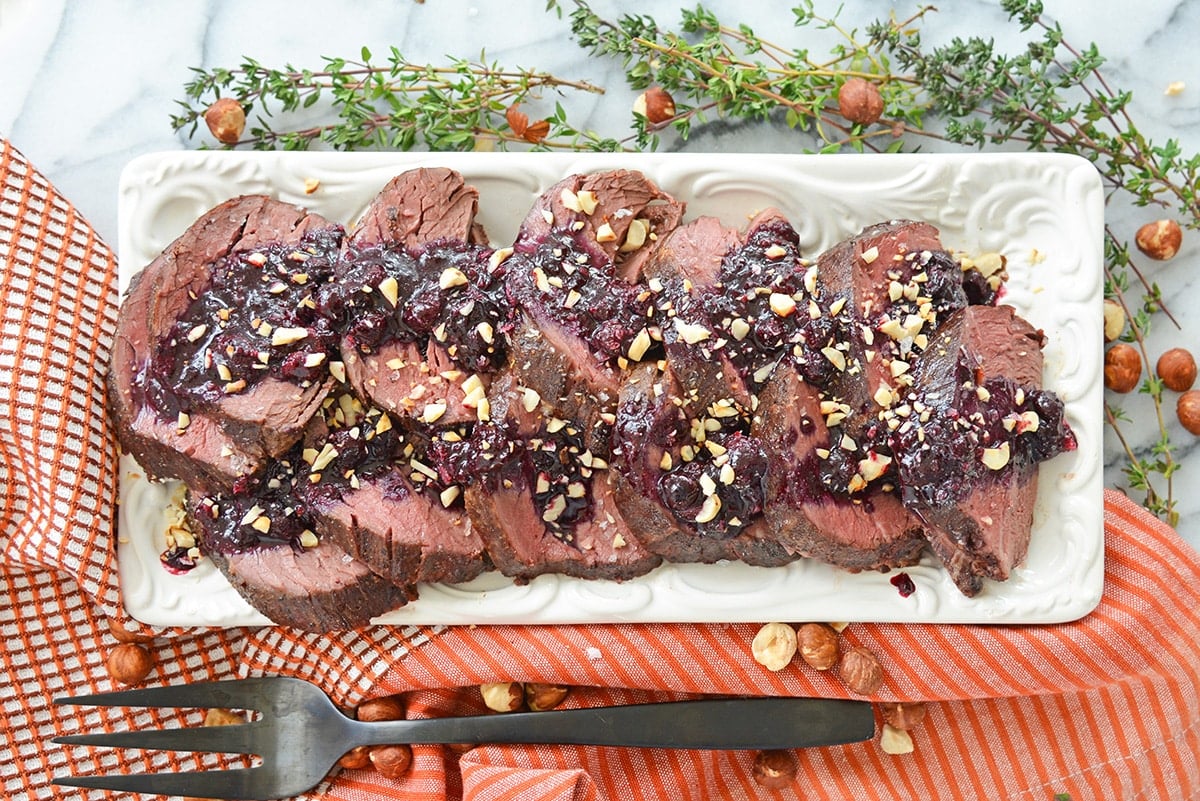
{"x": 395, "y": 105}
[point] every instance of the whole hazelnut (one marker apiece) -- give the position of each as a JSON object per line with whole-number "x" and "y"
{"x": 1122, "y": 368}
{"x": 356, "y": 758}
{"x": 655, "y": 104}
{"x": 1160, "y": 239}
{"x": 503, "y": 696}
{"x": 860, "y": 102}
{"x": 774, "y": 769}
{"x": 226, "y": 119}
{"x": 541, "y": 697}
{"x": 391, "y": 761}
{"x": 1177, "y": 369}
{"x": 1188, "y": 410}
{"x": 388, "y": 707}
{"x": 861, "y": 671}
{"x": 129, "y": 663}
{"x": 1114, "y": 320}
{"x": 774, "y": 646}
{"x": 903, "y": 715}
{"x": 818, "y": 645}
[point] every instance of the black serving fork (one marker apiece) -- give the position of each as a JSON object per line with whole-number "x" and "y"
{"x": 300, "y": 734}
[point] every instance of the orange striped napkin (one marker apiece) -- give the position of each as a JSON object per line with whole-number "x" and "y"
{"x": 1106, "y": 707}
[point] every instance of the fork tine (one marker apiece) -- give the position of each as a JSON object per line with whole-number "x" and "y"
{"x": 235, "y": 739}
{"x": 236, "y": 694}
{"x": 234, "y": 784}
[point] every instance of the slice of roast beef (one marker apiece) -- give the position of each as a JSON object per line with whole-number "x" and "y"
{"x": 220, "y": 355}
{"x": 544, "y": 502}
{"x": 693, "y": 482}
{"x": 263, "y": 539}
{"x": 420, "y": 302}
{"x": 968, "y": 454}
{"x": 871, "y": 531}
{"x": 691, "y": 485}
{"x": 573, "y": 270}
{"x": 372, "y": 493}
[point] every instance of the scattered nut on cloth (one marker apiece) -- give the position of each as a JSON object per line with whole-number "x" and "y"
{"x": 1106, "y": 707}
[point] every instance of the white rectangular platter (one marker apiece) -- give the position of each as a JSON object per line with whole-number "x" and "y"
{"x": 1043, "y": 212}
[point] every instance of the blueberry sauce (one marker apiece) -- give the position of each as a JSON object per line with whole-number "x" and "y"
{"x": 450, "y": 291}
{"x": 574, "y": 285}
{"x": 718, "y": 496}
{"x": 256, "y": 318}
{"x": 903, "y": 584}
{"x": 967, "y": 439}
{"x": 269, "y": 514}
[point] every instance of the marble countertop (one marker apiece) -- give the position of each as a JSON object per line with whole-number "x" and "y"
{"x": 89, "y": 86}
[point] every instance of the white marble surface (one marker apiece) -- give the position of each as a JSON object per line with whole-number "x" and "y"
{"x": 86, "y": 87}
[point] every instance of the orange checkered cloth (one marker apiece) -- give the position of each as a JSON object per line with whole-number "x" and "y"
{"x": 1106, "y": 707}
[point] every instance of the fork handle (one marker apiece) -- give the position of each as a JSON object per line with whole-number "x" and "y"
{"x": 737, "y": 723}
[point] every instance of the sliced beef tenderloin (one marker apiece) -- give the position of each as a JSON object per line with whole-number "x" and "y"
{"x": 371, "y": 491}
{"x": 691, "y": 486}
{"x": 880, "y": 295}
{"x": 544, "y": 502}
{"x": 220, "y": 356}
{"x": 572, "y": 274}
{"x": 870, "y": 531}
{"x": 420, "y": 301}
{"x": 681, "y": 272}
{"x": 694, "y": 481}
{"x": 968, "y": 453}
{"x": 264, "y": 541}
{"x": 868, "y": 304}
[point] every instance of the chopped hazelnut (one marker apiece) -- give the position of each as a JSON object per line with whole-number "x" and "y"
{"x": 1114, "y": 320}
{"x": 541, "y": 697}
{"x": 774, "y": 646}
{"x": 903, "y": 715}
{"x": 222, "y": 717}
{"x": 504, "y": 696}
{"x": 655, "y": 104}
{"x": 895, "y": 741}
{"x": 774, "y": 769}
{"x": 1160, "y": 239}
